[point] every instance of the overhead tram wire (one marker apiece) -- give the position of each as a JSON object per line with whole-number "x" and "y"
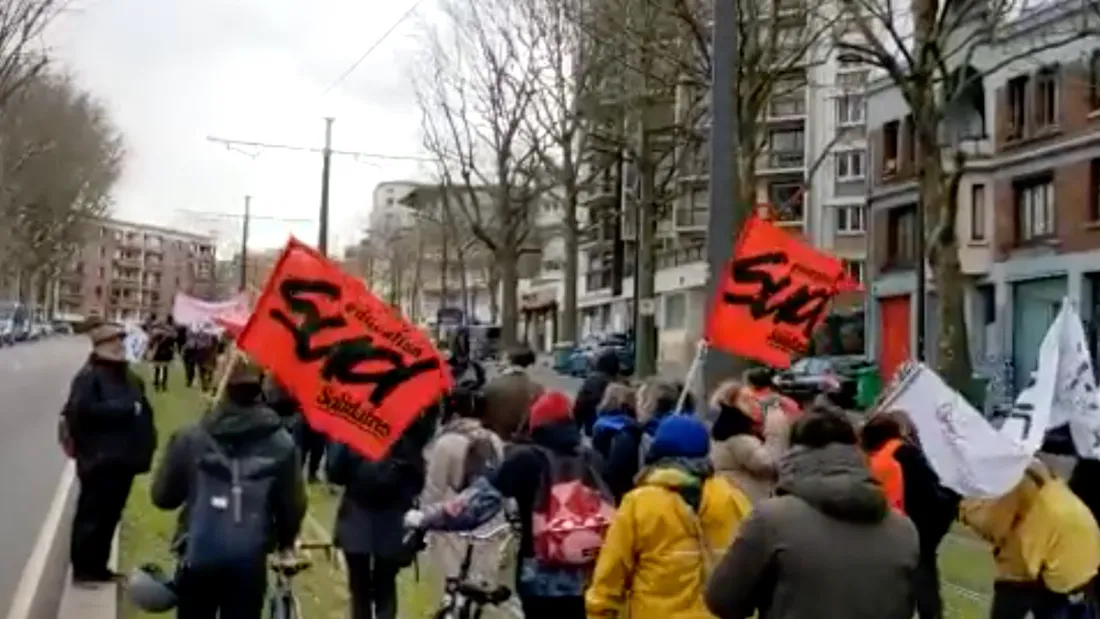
{"x": 385, "y": 35}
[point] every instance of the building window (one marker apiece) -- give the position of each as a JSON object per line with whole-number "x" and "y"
{"x": 1035, "y": 208}
{"x": 789, "y": 141}
{"x": 1094, "y": 79}
{"x": 849, "y": 110}
{"x": 850, "y": 219}
{"x": 901, "y": 229}
{"x": 787, "y": 199}
{"x": 849, "y": 166}
{"x": 675, "y": 311}
{"x": 1017, "y": 107}
{"x": 1094, "y": 190}
{"x": 1046, "y": 98}
{"x": 890, "y": 134}
{"x": 854, "y": 268}
{"x": 977, "y": 212}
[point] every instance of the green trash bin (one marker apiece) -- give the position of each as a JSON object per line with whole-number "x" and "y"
{"x": 868, "y": 386}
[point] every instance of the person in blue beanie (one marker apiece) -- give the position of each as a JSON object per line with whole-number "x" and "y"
{"x": 668, "y": 531}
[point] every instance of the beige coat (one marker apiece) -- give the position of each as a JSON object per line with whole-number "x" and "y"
{"x": 492, "y": 559}
{"x": 751, "y": 463}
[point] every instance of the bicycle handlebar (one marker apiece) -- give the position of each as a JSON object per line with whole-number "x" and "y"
{"x": 314, "y": 546}
{"x": 484, "y": 535}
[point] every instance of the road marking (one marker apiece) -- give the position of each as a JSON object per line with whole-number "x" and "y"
{"x": 35, "y": 568}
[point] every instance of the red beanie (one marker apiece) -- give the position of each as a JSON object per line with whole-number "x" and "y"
{"x": 550, "y": 407}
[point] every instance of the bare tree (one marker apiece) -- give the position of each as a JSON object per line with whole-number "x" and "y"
{"x": 650, "y": 103}
{"x": 22, "y": 23}
{"x": 475, "y": 100}
{"x": 61, "y": 156}
{"x": 927, "y": 50}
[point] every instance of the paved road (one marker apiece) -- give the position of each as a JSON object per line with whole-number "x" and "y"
{"x": 34, "y": 381}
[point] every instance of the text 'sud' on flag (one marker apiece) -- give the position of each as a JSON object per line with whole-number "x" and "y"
{"x": 360, "y": 371}
{"x": 773, "y": 294}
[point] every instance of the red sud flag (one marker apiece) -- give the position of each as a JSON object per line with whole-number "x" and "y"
{"x": 773, "y": 294}
{"x": 361, "y": 372}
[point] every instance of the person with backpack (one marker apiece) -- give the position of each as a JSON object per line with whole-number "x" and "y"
{"x": 606, "y": 370}
{"x": 235, "y": 478}
{"x": 369, "y": 528}
{"x": 564, "y": 510}
{"x": 107, "y": 427}
{"x": 617, "y": 437}
{"x": 668, "y": 531}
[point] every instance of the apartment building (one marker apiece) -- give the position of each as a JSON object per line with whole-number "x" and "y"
{"x": 811, "y": 168}
{"x": 128, "y": 271}
{"x": 1029, "y": 198}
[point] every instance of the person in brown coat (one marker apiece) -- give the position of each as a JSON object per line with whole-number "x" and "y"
{"x": 509, "y": 396}
{"x": 827, "y": 546}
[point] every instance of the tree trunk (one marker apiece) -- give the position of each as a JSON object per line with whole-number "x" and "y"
{"x": 568, "y": 331}
{"x": 418, "y": 272}
{"x": 494, "y": 300}
{"x": 463, "y": 282}
{"x": 509, "y": 305}
{"x": 953, "y": 361}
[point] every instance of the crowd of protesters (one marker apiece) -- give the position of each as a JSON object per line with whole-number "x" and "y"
{"x": 621, "y": 502}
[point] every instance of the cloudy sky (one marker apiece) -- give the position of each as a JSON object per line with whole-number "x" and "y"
{"x": 173, "y": 72}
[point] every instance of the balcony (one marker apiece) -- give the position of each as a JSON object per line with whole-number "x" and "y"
{"x": 787, "y": 108}
{"x": 692, "y": 219}
{"x": 681, "y": 256}
{"x": 781, "y": 162}
{"x": 128, "y": 259}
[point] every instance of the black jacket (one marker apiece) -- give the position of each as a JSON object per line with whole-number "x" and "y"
{"x": 377, "y": 494}
{"x": 109, "y": 418}
{"x": 241, "y": 431}
{"x": 588, "y": 399}
{"x": 930, "y": 506}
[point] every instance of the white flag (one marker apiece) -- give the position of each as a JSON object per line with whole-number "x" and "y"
{"x": 970, "y": 456}
{"x": 135, "y": 343}
{"x": 1076, "y": 400}
{"x": 1031, "y": 414}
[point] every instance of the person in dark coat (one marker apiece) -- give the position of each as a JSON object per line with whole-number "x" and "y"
{"x": 286, "y": 407}
{"x": 930, "y": 506}
{"x": 605, "y": 371}
{"x": 107, "y": 425}
{"x": 369, "y": 529}
{"x": 245, "y": 429}
{"x": 164, "y": 350}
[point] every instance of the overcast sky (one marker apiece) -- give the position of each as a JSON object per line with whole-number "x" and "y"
{"x": 173, "y": 72}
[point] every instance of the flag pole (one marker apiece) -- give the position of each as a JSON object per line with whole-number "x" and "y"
{"x": 693, "y": 371}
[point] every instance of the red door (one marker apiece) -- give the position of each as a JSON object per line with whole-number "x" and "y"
{"x": 894, "y": 347}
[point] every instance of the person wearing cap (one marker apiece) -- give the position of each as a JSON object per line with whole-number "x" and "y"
{"x": 107, "y": 427}
{"x": 668, "y": 532}
{"x": 553, "y": 435}
{"x": 243, "y": 430}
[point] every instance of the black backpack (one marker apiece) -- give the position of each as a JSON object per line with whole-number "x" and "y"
{"x": 230, "y": 521}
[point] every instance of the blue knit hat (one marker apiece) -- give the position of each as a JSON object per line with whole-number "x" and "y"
{"x": 680, "y": 436}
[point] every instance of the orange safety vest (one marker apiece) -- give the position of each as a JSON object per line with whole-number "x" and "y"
{"x": 886, "y": 470}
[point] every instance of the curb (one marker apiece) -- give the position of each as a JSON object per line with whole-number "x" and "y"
{"x": 42, "y": 585}
{"x": 91, "y": 603}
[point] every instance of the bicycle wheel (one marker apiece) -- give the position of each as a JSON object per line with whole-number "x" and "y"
{"x": 283, "y": 604}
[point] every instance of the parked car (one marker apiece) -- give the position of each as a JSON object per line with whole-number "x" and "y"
{"x": 585, "y": 354}
{"x": 810, "y": 376}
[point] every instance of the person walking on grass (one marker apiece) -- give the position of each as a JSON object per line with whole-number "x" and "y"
{"x": 107, "y": 428}
{"x": 369, "y": 529}
{"x": 164, "y": 351}
{"x": 236, "y": 480}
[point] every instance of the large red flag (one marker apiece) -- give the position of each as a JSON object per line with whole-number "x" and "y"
{"x": 360, "y": 371}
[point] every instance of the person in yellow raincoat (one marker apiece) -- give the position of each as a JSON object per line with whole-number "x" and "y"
{"x": 668, "y": 532}
{"x": 1045, "y": 541}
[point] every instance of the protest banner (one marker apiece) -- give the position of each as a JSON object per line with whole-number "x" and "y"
{"x": 1031, "y": 414}
{"x": 773, "y": 295}
{"x": 970, "y": 456}
{"x": 199, "y": 315}
{"x": 360, "y": 371}
{"x": 136, "y": 342}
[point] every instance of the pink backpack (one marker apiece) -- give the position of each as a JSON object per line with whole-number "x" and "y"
{"x": 572, "y": 512}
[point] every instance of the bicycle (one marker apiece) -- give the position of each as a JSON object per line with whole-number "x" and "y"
{"x": 464, "y": 598}
{"x": 282, "y": 603}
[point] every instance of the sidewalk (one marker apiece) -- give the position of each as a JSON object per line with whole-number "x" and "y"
{"x": 91, "y": 603}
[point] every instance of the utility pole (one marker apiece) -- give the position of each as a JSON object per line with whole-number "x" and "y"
{"x": 326, "y": 167}
{"x": 726, "y": 215}
{"x": 244, "y": 242}
{"x": 922, "y": 293}
{"x": 645, "y": 301}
